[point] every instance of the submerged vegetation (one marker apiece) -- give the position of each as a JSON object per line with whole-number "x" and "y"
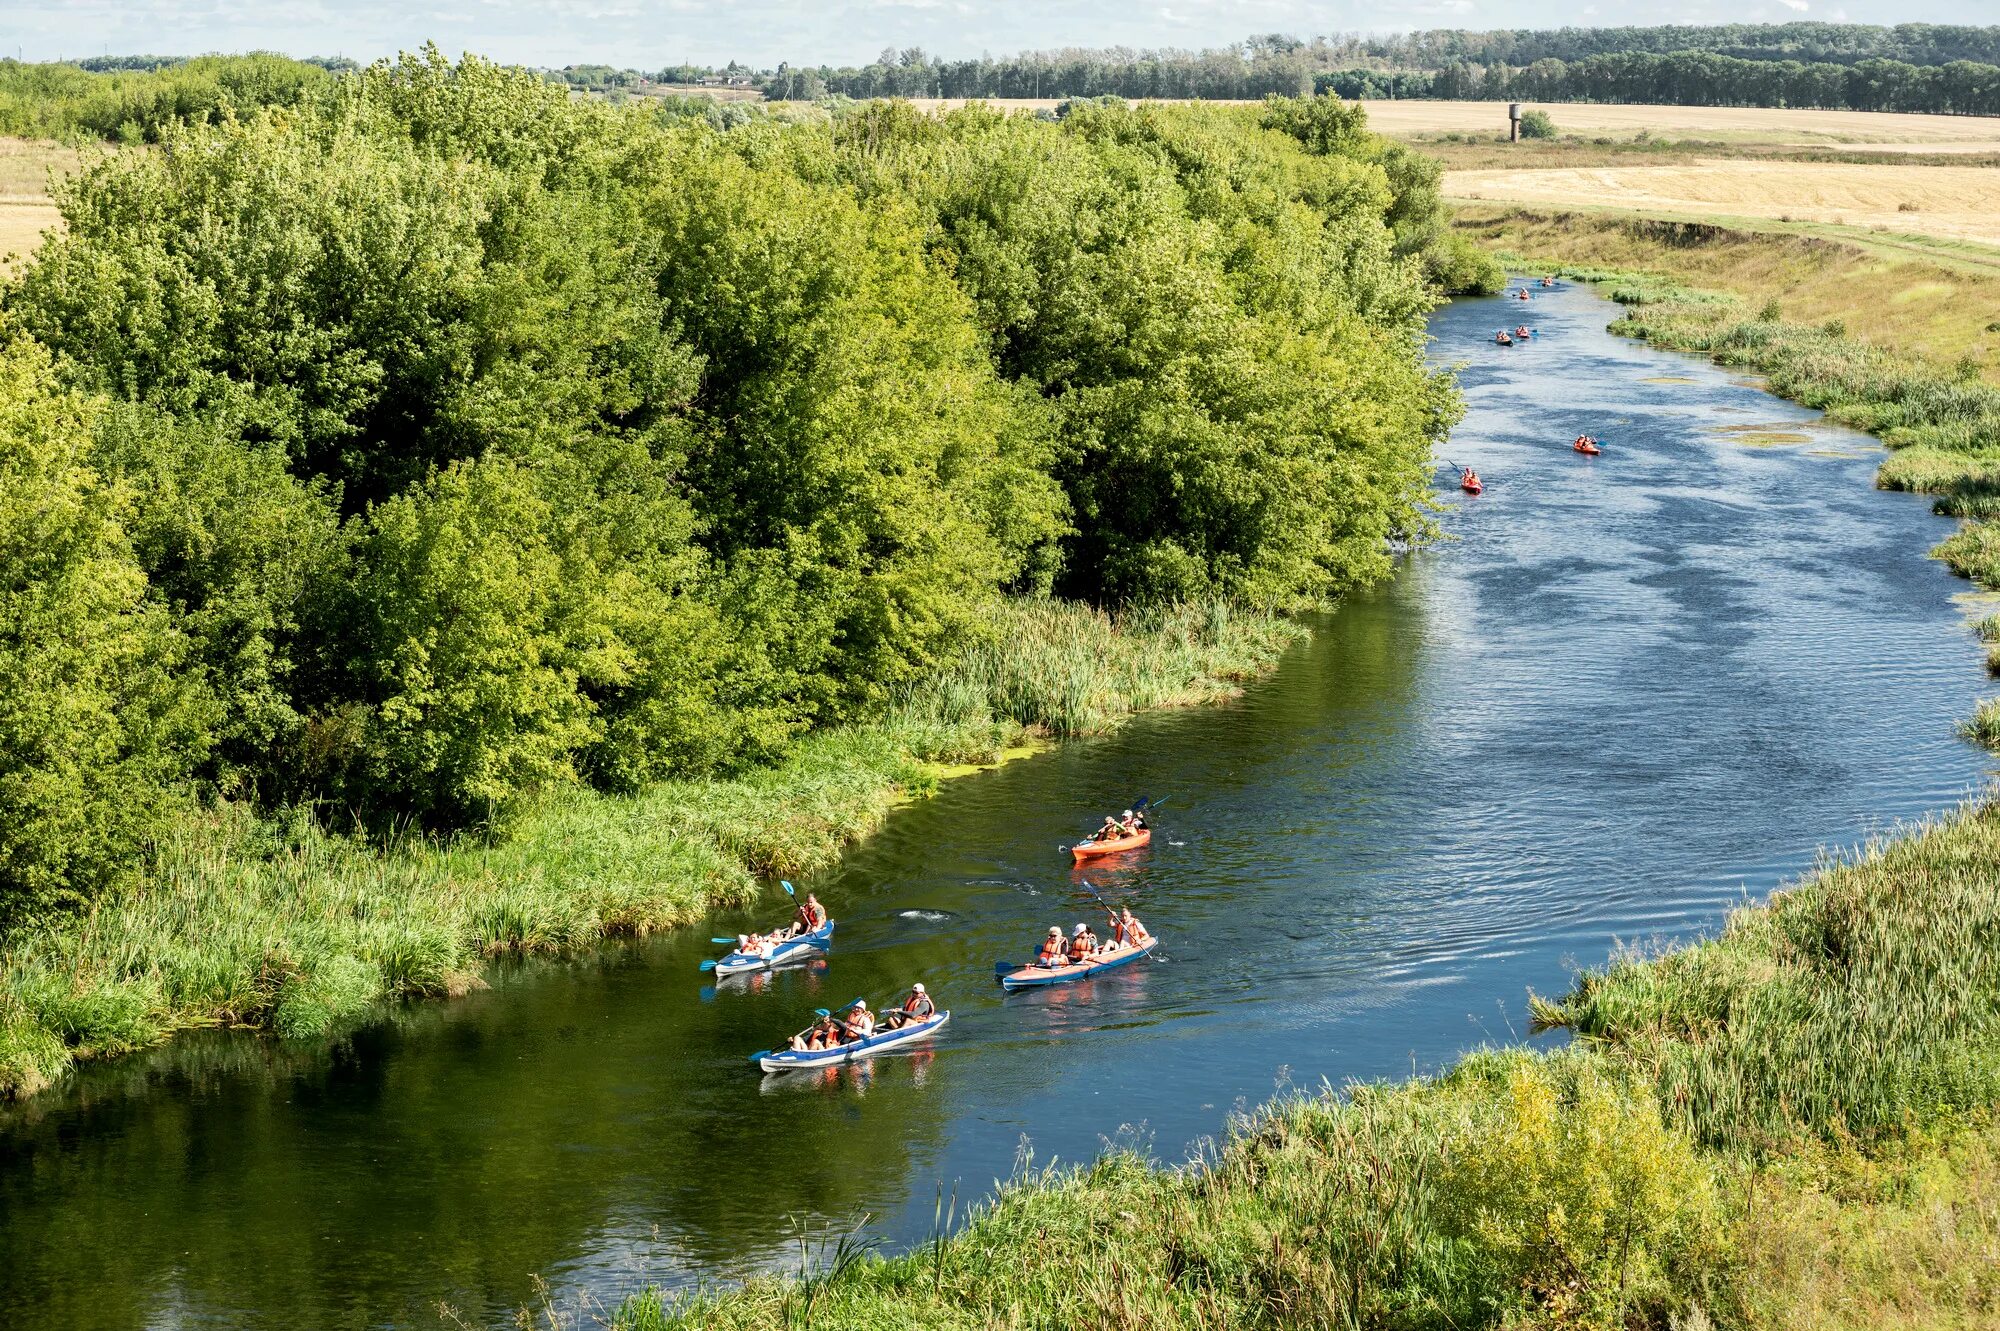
{"x": 1732, "y": 1119}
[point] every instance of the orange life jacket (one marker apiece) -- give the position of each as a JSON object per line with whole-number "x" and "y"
{"x": 1079, "y": 947}
{"x": 1052, "y": 948}
{"x": 918, "y": 1005}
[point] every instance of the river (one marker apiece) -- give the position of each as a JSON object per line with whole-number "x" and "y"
{"x": 1628, "y": 694}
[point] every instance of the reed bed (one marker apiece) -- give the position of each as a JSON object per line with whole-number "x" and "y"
{"x": 1865, "y": 998}
{"x": 281, "y": 924}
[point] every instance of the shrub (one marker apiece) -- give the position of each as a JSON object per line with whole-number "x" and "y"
{"x": 1537, "y": 124}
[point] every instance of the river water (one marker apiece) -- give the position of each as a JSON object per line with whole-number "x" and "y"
{"x": 1630, "y": 693}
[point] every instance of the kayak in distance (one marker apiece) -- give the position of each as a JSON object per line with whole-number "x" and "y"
{"x": 1470, "y": 482}
{"x": 1013, "y": 975}
{"x": 1586, "y": 445}
{"x": 796, "y": 1060}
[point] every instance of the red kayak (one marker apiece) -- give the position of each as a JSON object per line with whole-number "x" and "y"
{"x": 1585, "y": 446}
{"x": 1084, "y": 850}
{"x": 1471, "y": 483}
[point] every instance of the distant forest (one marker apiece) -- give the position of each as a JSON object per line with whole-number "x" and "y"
{"x": 1910, "y": 67}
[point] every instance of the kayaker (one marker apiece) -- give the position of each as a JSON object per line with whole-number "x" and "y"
{"x": 809, "y": 916}
{"x": 1111, "y": 831}
{"x": 1081, "y": 944}
{"x": 1470, "y": 480}
{"x": 917, "y": 1007}
{"x": 860, "y": 1021}
{"x": 1126, "y": 931}
{"x": 1053, "y": 953}
{"x": 1128, "y": 824}
{"x": 817, "y": 1036}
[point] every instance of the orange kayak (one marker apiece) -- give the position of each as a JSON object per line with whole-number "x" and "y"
{"x": 1472, "y": 487}
{"x": 1084, "y": 850}
{"x": 1591, "y": 449}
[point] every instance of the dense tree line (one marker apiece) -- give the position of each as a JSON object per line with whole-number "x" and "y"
{"x": 1912, "y": 68}
{"x": 135, "y": 97}
{"x": 1693, "y": 78}
{"x": 1809, "y": 43}
{"x": 443, "y": 439}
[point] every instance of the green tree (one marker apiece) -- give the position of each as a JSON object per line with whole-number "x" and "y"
{"x": 96, "y": 725}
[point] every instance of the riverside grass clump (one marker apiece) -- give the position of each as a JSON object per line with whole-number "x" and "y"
{"x": 1516, "y": 1189}
{"x": 281, "y": 924}
{"x": 1865, "y": 999}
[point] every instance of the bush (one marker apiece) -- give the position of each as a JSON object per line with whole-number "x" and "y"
{"x": 96, "y": 725}
{"x": 1536, "y": 124}
{"x": 1456, "y": 266}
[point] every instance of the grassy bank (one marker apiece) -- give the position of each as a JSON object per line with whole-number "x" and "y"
{"x": 1785, "y": 1126}
{"x": 1929, "y": 305}
{"x": 282, "y": 925}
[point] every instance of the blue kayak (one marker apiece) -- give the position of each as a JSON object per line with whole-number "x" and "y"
{"x": 793, "y": 1060}
{"x": 1028, "y": 977}
{"x": 785, "y": 953}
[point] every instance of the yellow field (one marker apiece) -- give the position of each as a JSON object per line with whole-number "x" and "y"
{"x": 25, "y": 208}
{"x": 1879, "y": 131}
{"x": 1950, "y": 202}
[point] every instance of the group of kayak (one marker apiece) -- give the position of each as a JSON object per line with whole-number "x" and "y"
{"x": 1521, "y": 333}
{"x": 856, "y": 1030}
{"x": 1468, "y": 479}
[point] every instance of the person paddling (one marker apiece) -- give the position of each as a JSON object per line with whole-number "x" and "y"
{"x": 915, "y": 1008}
{"x": 822, "y": 1034}
{"x": 860, "y": 1021}
{"x": 809, "y": 916}
{"x": 1126, "y": 931}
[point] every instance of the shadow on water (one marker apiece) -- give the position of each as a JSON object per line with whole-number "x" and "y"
{"x": 1630, "y": 692}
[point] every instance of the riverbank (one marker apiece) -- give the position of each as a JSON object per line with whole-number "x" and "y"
{"x": 284, "y": 926}
{"x": 1787, "y": 1125}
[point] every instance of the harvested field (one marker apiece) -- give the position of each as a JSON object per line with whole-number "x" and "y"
{"x": 1886, "y": 130}
{"x": 25, "y": 208}
{"x": 1949, "y": 202}
{"x": 1882, "y": 131}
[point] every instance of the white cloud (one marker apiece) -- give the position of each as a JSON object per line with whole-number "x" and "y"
{"x": 1796, "y": 6}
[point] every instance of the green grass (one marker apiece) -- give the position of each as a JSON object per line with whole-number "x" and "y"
{"x": 1515, "y": 1187}
{"x": 282, "y": 925}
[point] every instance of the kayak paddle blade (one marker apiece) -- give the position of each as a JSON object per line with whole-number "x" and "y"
{"x": 707, "y": 966}
{"x": 1006, "y": 967}
{"x": 730, "y": 941}
{"x": 760, "y": 1055}
{"x": 790, "y": 891}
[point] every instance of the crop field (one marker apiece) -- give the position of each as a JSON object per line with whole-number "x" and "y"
{"x": 1947, "y": 202}
{"x": 25, "y": 207}
{"x": 1880, "y": 130}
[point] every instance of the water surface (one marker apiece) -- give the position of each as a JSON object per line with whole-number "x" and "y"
{"x": 1632, "y": 692}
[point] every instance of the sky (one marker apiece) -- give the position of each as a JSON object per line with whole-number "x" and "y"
{"x": 649, "y": 34}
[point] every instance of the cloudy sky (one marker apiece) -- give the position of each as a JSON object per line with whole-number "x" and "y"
{"x": 647, "y": 34}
